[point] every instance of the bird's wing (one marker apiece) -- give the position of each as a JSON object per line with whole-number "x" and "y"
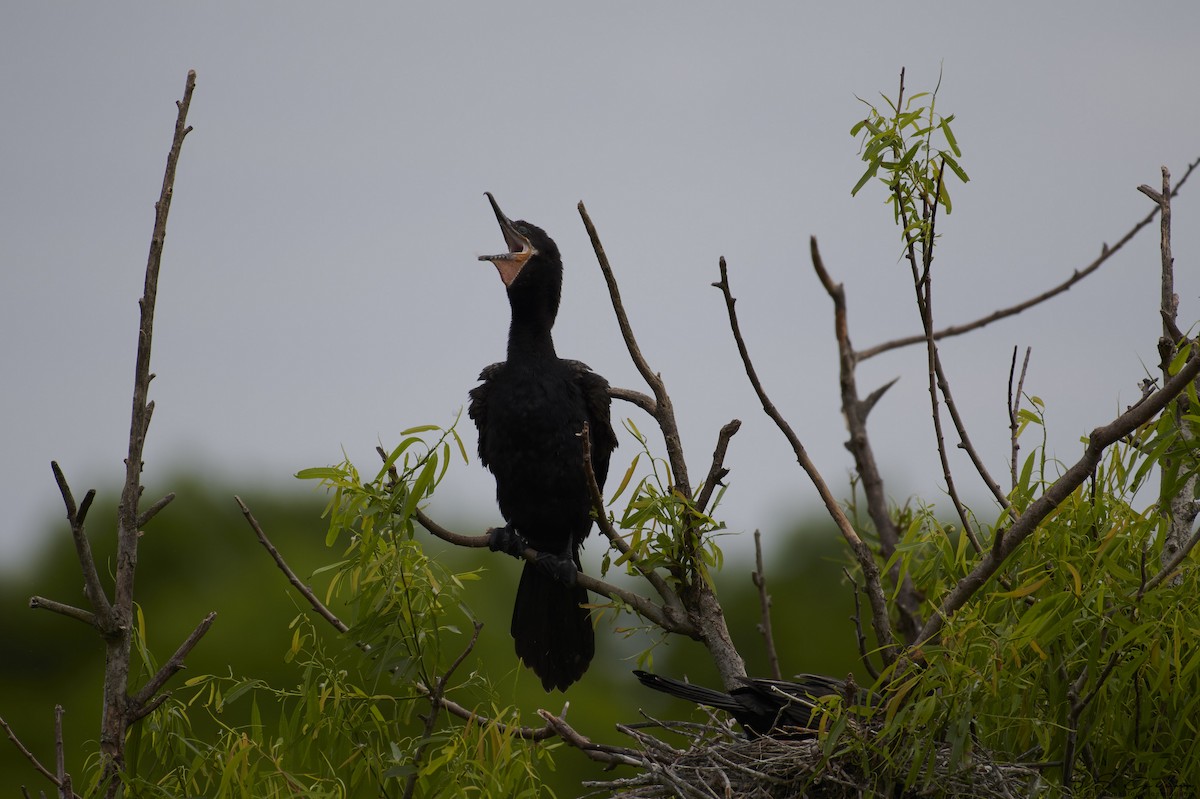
{"x": 478, "y": 408}
{"x": 599, "y": 404}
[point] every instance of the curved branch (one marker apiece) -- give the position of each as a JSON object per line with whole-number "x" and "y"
{"x": 862, "y": 552}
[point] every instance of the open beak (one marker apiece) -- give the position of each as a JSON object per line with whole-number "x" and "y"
{"x": 520, "y": 250}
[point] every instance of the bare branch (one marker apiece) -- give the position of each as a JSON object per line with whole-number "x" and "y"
{"x": 855, "y": 411}
{"x": 83, "y": 548}
{"x": 1098, "y": 441}
{"x": 861, "y": 639}
{"x": 296, "y": 582}
{"x": 643, "y": 401}
{"x": 1076, "y": 276}
{"x": 1178, "y": 485}
{"x": 70, "y": 611}
{"x": 139, "y": 701}
{"x": 25, "y": 753}
{"x": 1014, "y": 407}
{"x": 152, "y": 511}
{"x": 599, "y": 752}
{"x": 862, "y": 553}
{"x": 60, "y": 762}
{"x": 664, "y": 412}
{"x": 717, "y": 472}
{"x": 759, "y": 578}
{"x": 117, "y": 715}
{"x": 524, "y": 733}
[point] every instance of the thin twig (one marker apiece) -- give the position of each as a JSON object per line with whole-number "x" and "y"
{"x": 60, "y": 761}
{"x": 759, "y": 578}
{"x": 859, "y": 637}
{"x": 296, "y": 582}
{"x": 152, "y": 511}
{"x": 1076, "y": 276}
{"x": 25, "y": 753}
{"x": 862, "y": 553}
{"x": 1014, "y": 408}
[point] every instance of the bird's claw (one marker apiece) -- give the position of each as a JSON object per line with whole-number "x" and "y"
{"x": 506, "y": 539}
{"x": 561, "y": 568}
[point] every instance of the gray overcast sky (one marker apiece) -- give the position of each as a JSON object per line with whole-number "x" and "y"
{"x": 320, "y": 288}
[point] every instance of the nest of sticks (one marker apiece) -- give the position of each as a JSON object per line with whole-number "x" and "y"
{"x": 718, "y": 763}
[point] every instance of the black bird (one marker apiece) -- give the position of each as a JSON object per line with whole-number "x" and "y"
{"x": 530, "y": 411}
{"x": 762, "y": 707}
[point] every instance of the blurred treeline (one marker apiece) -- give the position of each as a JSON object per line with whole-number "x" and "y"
{"x": 199, "y": 555}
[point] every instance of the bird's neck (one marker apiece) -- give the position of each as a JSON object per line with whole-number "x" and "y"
{"x": 529, "y": 338}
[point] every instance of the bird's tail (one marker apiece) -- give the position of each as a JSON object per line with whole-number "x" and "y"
{"x": 552, "y": 631}
{"x": 686, "y": 690}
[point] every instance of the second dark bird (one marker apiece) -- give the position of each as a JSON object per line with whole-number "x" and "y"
{"x": 762, "y": 707}
{"x": 529, "y": 411}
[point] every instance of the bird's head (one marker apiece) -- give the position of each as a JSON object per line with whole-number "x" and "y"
{"x": 531, "y": 253}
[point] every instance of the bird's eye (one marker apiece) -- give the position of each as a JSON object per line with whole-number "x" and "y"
{"x": 523, "y": 230}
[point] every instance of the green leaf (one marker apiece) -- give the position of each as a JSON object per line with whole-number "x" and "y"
{"x": 319, "y": 473}
{"x": 870, "y": 173}
{"x": 950, "y": 136}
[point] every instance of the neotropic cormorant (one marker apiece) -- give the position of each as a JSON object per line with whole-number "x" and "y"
{"x": 762, "y": 707}
{"x": 530, "y": 411}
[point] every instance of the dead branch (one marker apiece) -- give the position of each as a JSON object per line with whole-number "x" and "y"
{"x": 1178, "y": 486}
{"x": 33, "y": 761}
{"x": 717, "y": 472}
{"x": 296, "y": 582}
{"x": 862, "y": 552}
{"x": 859, "y": 638}
{"x": 140, "y": 704}
{"x": 855, "y": 411}
{"x": 759, "y": 578}
{"x": 1014, "y": 407}
{"x": 92, "y": 588}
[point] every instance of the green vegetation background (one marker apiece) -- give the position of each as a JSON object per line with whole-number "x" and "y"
{"x": 199, "y": 555}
